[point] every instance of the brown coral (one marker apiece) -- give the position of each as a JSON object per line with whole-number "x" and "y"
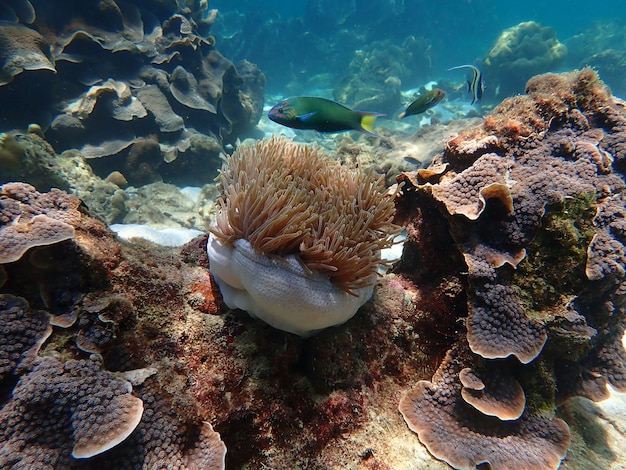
{"x": 545, "y": 277}
{"x": 23, "y": 332}
{"x": 77, "y": 395}
{"x": 285, "y": 198}
{"x": 24, "y": 224}
{"x": 22, "y": 48}
{"x": 464, "y": 437}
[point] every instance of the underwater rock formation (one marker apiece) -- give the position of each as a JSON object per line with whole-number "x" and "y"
{"x": 534, "y": 201}
{"x": 602, "y": 47}
{"x": 520, "y": 52}
{"x": 379, "y": 72}
{"x": 134, "y": 73}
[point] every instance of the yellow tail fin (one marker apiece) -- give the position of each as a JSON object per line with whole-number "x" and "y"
{"x": 367, "y": 124}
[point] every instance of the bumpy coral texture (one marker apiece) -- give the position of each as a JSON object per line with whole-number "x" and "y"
{"x": 285, "y": 198}
{"x": 454, "y": 431}
{"x": 77, "y": 395}
{"x": 59, "y": 412}
{"x": 162, "y": 439}
{"x": 541, "y": 271}
{"x": 22, "y": 333}
{"x": 29, "y": 218}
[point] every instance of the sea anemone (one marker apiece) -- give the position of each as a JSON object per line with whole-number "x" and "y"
{"x": 298, "y": 237}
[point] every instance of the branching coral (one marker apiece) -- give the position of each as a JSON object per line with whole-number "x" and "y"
{"x": 329, "y": 222}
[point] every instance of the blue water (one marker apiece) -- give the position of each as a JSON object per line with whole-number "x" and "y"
{"x": 294, "y": 40}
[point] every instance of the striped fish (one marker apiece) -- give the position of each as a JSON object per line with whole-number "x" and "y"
{"x": 476, "y": 85}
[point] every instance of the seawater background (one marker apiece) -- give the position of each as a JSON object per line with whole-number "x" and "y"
{"x": 273, "y": 33}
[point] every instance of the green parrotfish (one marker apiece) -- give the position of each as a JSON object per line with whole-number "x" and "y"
{"x": 320, "y": 114}
{"x": 423, "y": 102}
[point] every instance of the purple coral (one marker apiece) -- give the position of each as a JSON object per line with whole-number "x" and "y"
{"x": 546, "y": 279}
{"x": 455, "y": 430}
{"x": 55, "y": 397}
{"x": 22, "y": 332}
{"x": 29, "y": 218}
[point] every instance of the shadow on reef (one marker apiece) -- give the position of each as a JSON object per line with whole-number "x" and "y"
{"x": 509, "y": 300}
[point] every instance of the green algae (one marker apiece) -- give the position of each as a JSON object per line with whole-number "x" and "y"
{"x": 553, "y": 271}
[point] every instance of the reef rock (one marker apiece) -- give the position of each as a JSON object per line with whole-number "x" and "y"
{"x": 533, "y": 201}
{"x": 380, "y": 71}
{"x": 517, "y": 228}
{"x": 519, "y": 53}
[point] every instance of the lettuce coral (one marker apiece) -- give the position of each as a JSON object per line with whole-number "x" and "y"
{"x": 297, "y": 239}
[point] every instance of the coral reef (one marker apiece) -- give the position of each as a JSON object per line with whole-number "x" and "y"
{"x": 63, "y": 384}
{"x": 136, "y": 80}
{"x": 26, "y": 225}
{"x": 519, "y": 53}
{"x": 158, "y": 204}
{"x": 535, "y": 206}
{"x": 601, "y": 46}
{"x": 379, "y": 71}
{"x": 508, "y": 300}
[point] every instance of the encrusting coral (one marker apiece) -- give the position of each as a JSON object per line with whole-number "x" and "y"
{"x": 24, "y": 225}
{"x": 295, "y": 228}
{"x": 546, "y": 284}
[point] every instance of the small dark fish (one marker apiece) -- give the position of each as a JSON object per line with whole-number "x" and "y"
{"x": 476, "y": 85}
{"x": 322, "y": 115}
{"x": 424, "y": 102}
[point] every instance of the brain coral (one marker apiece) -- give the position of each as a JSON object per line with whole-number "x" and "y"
{"x": 546, "y": 290}
{"x": 293, "y": 227}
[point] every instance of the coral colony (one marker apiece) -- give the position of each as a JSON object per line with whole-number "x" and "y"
{"x": 507, "y": 304}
